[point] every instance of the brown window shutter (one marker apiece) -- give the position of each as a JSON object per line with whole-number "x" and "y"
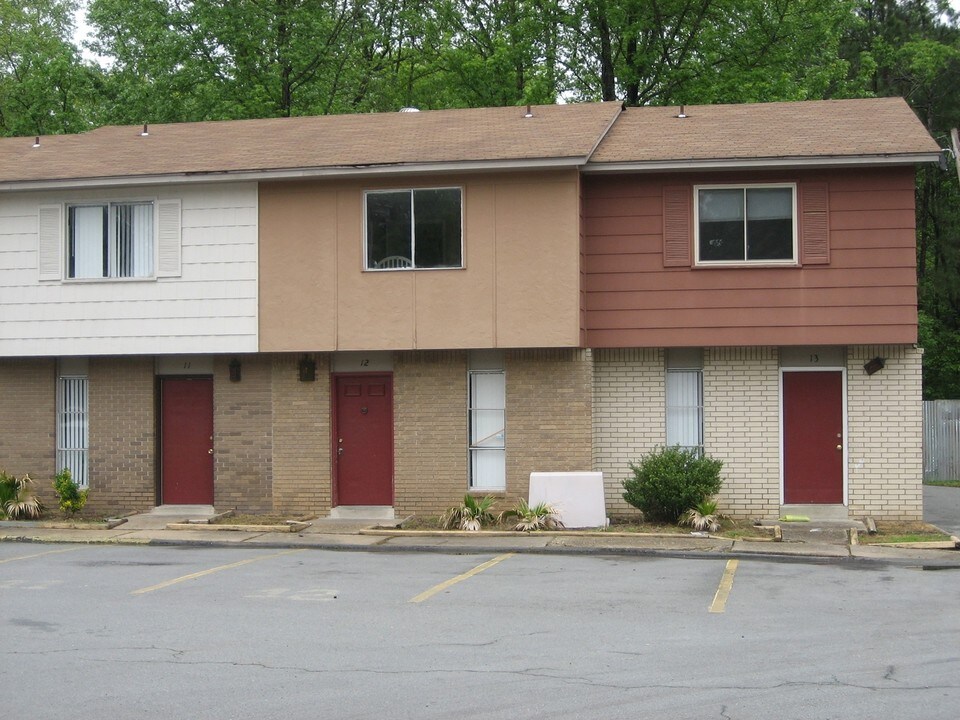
{"x": 676, "y": 225}
{"x": 814, "y": 224}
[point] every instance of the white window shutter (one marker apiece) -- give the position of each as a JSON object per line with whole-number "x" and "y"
{"x": 168, "y": 238}
{"x": 50, "y": 245}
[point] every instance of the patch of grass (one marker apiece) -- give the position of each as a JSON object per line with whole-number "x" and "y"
{"x": 904, "y": 533}
{"x": 943, "y": 483}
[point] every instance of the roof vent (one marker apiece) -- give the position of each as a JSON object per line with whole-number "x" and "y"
{"x": 145, "y": 132}
{"x": 36, "y": 141}
{"x": 409, "y": 109}
{"x": 681, "y": 115}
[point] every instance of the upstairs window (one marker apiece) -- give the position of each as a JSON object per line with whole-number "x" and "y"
{"x": 110, "y": 240}
{"x": 752, "y": 224}
{"x": 414, "y": 229}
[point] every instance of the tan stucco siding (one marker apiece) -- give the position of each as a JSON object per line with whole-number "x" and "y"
{"x": 519, "y": 285}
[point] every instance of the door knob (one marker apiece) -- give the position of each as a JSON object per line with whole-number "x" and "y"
{"x": 339, "y": 451}
{"x": 839, "y": 447}
{"x": 210, "y": 451}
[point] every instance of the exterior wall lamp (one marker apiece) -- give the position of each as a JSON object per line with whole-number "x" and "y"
{"x": 307, "y": 370}
{"x": 235, "y": 370}
{"x": 875, "y": 365}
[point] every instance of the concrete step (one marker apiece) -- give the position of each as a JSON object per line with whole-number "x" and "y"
{"x": 362, "y": 512}
{"x": 817, "y": 513}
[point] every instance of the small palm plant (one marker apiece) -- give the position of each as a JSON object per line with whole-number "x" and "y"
{"x": 471, "y": 514}
{"x": 541, "y": 516}
{"x": 703, "y": 516}
{"x": 16, "y": 500}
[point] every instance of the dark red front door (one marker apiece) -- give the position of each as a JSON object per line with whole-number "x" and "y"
{"x": 812, "y": 437}
{"x": 186, "y": 441}
{"x": 363, "y": 439}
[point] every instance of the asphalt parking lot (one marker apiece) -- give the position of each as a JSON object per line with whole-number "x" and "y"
{"x": 160, "y": 632}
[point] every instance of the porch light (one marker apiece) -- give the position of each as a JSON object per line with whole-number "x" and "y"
{"x": 234, "y": 370}
{"x": 307, "y": 369}
{"x": 875, "y": 365}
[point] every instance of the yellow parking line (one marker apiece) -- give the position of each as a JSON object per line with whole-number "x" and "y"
{"x": 726, "y": 585}
{"x": 426, "y": 594}
{"x": 48, "y": 552}
{"x": 202, "y": 573}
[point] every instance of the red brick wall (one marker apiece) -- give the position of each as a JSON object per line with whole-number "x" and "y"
{"x": 123, "y": 440}
{"x": 28, "y": 439}
{"x": 243, "y": 435}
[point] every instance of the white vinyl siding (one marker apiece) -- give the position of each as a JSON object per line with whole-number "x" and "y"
{"x": 487, "y": 430}
{"x": 73, "y": 427}
{"x": 202, "y": 297}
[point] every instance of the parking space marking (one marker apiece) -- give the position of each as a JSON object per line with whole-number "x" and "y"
{"x": 427, "y": 594}
{"x": 41, "y": 554}
{"x": 719, "y": 603}
{"x": 202, "y": 573}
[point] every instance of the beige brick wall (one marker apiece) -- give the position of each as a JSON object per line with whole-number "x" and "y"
{"x": 243, "y": 435}
{"x": 884, "y": 433}
{"x": 548, "y": 415}
{"x": 123, "y": 436}
{"x": 629, "y": 420}
{"x": 301, "y": 437}
{"x": 28, "y": 440}
{"x": 430, "y": 431}
{"x": 741, "y": 392}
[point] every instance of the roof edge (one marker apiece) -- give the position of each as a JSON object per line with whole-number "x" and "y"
{"x": 295, "y": 174}
{"x": 751, "y": 163}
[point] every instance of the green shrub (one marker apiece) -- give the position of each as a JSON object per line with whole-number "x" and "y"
{"x": 669, "y": 481}
{"x": 71, "y": 498}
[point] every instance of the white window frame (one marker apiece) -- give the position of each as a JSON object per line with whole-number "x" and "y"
{"x": 793, "y": 261}
{"x": 683, "y": 364}
{"x": 73, "y": 439}
{"x": 413, "y": 224}
{"x": 110, "y": 205}
{"x": 475, "y": 450}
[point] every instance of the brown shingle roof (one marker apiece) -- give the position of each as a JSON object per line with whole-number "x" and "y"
{"x": 485, "y": 135}
{"x": 812, "y": 129}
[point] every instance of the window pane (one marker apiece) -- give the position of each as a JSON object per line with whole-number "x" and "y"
{"x": 87, "y": 233}
{"x": 770, "y": 224}
{"x": 72, "y": 428}
{"x": 488, "y": 469}
{"x": 388, "y": 230}
{"x": 131, "y": 247}
{"x": 437, "y": 230}
{"x": 721, "y": 224}
{"x": 487, "y": 436}
{"x": 684, "y": 408}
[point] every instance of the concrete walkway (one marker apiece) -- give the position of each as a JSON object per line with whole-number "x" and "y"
{"x": 941, "y": 507}
{"x": 809, "y": 542}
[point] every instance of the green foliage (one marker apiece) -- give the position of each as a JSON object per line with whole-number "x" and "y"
{"x": 471, "y": 514}
{"x": 541, "y": 516}
{"x": 703, "y": 516}
{"x": 669, "y": 481}
{"x": 16, "y": 502}
{"x": 70, "y": 497}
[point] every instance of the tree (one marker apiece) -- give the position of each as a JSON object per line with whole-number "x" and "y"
{"x": 44, "y": 86}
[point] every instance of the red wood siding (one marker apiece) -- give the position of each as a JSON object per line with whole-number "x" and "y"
{"x": 864, "y": 294}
